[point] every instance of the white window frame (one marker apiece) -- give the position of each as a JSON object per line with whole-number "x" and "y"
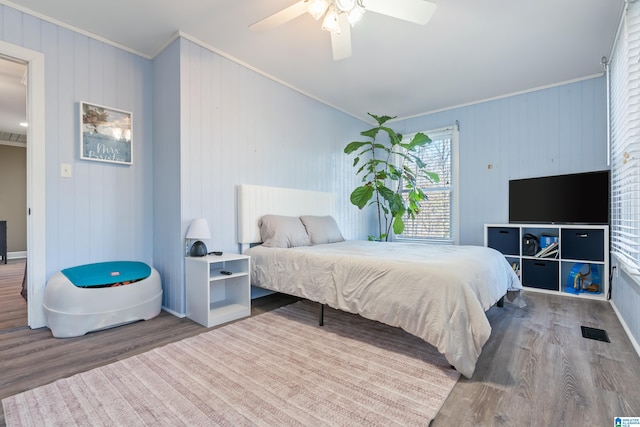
{"x": 624, "y": 125}
{"x": 454, "y": 215}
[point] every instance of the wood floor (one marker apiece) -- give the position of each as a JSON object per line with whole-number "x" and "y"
{"x": 536, "y": 369}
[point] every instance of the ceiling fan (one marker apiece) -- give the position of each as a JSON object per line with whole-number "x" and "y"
{"x": 340, "y": 15}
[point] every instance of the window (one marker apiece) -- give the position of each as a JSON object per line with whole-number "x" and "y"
{"x": 624, "y": 120}
{"x": 437, "y": 220}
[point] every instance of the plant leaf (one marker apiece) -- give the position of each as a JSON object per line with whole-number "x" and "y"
{"x": 381, "y": 175}
{"x": 396, "y": 204}
{"x": 398, "y": 225}
{"x": 418, "y": 140}
{"x": 433, "y": 176}
{"x": 353, "y": 146}
{"x": 371, "y": 133}
{"x": 394, "y": 173}
{"x": 394, "y": 138}
{"x": 386, "y": 193}
{"x": 361, "y": 195}
{"x": 381, "y": 119}
{"x": 410, "y": 177}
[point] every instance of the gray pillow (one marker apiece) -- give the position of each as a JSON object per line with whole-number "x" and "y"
{"x": 279, "y": 231}
{"x": 322, "y": 229}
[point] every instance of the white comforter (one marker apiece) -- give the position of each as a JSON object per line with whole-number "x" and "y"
{"x": 437, "y": 292}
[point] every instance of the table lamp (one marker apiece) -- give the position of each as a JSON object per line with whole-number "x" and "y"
{"x": 198, "y": 229}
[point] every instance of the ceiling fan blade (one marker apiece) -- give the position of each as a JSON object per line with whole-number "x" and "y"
{"x": 281, "y": 17}
{"x": 416, "y": 11}
{"x": 341, "y": 43}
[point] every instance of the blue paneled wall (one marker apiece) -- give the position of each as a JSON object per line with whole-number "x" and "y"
{"x": 217, "y": 125}
{"x": 104, "y": 212}
{"x": 551, "y": 131}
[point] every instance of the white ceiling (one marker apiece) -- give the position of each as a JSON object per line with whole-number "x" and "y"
{"x": 471, "y": 50}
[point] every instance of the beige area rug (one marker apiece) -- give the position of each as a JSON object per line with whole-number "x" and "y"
{"x": 276, "y": 369}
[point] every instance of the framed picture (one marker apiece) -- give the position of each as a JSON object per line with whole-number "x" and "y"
{"x": 105, "y": 134}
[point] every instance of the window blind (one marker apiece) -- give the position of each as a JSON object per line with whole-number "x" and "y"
{"x": 624, "y": 69}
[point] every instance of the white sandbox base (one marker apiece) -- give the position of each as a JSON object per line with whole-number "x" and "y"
{"x": 73, "y": 311}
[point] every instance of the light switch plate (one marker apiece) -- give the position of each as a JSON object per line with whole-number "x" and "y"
{"x": 65, "y": 170}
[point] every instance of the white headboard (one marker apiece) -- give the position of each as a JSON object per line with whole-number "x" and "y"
{"x": 254, "y": 201}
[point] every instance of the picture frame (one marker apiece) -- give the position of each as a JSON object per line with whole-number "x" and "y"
{"x": 106, "y": 134}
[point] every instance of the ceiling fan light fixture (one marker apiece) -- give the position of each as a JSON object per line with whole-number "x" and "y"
{"x": 355, "y": 15}
{"x": 330, "y": 22}
{"x": 345, "y": 5}
{"x": 317, "y": 8}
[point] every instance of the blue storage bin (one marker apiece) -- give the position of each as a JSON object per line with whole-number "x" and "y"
{"x": 547, "y": 240}
{"x": 505, "y": 240}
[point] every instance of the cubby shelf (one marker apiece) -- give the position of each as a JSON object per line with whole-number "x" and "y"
{"x": 214, "y": 297}
{"x": 578, "y": 268}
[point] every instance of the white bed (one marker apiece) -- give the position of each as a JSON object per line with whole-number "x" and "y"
{"x": 438, "y": 293}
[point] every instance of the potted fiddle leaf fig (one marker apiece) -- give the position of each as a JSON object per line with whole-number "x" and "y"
{"x": 387, "y": 165}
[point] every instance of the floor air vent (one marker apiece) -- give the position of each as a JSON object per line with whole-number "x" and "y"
{"x": 595, "y": 334}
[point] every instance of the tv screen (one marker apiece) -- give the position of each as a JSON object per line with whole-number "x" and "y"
{"x": 581, "y": 198}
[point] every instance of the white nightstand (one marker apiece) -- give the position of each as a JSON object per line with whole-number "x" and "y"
{"x": 213, "y": 297}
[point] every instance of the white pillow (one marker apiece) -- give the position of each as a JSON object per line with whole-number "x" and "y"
{"x": 279, "y": 231}
{"x": 322, "y": 229}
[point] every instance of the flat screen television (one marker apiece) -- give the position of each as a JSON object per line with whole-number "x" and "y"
{"x": 581, "y": 198}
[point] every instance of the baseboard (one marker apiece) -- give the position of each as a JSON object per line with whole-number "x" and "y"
{"x": 634, "y": 343}
{"x": 175, "y": 313}
{"x": 17, "y": 255}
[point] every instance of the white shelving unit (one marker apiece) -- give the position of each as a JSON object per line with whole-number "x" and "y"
{"x": 583, "y": 248}
{"x": 214, "y": 297}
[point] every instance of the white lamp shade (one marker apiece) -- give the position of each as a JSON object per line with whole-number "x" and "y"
{"x": 198, "y": 229}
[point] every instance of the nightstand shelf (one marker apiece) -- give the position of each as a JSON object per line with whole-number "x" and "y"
{"x": 214, "y": 298}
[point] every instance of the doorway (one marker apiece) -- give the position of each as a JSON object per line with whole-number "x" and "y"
{"x": 13, "y": 191}
{"x": 35, "y": 164}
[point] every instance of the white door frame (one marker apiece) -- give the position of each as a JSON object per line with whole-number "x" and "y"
{"x": 36, "y": 219}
